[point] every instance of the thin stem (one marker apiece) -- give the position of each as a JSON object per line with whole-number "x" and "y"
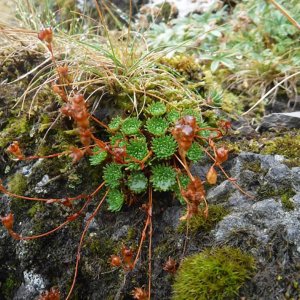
{"x": 81, "y": 243}
{"x": 27, "y": 238}
{"x": 50, "y": 200}
{"x": 150, "y": 244}
{"x": 186, "y": 168}
{"x": 99, "y": 122}
{"x": 285, "y": 13}
{"x": 227, "y": 176}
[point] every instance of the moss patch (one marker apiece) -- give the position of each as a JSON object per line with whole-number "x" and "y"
{"x": 15, "y": 128}
{"x": 288, "y": 146}
{"x": 9, "y": 286}
{"x": 253, "y": 166}
{"x": 284, "y": 195}
{"x": 286, "y": 201}
{"x": 272, "y": 143}
{"x": 213, "y": 274}
{"x": 200, "y": 223}
{"x": 17, "y": 184}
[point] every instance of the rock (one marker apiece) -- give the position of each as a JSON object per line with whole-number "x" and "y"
{"x": 32, "y": 286}
{"x": 186, "y": 7}
{"x": 280, "y": 121}
{"x": 267, "y": 226}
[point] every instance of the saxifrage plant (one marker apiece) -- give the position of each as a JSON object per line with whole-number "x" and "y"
{"x": 152, "y": 151}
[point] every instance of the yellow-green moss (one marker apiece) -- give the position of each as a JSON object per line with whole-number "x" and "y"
{"x": 285, "y": 195}
{"x": 254, "y": 166}
{"x": 37, "y": 207}
{"x": 286, "y": 201}
{"x": 15, "y": 128}
{"x": 200, "y": 223}
{"x": 17, "y": 184}
{"x": 213, "y": 274}
{"x": 271, "y": 143}
{"x": 288, "y": 146}
{"x": 186, "y": 66}
{"x": 231, "y": 103}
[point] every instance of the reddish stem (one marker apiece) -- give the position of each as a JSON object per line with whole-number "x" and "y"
{"x": 99, "y": 122}
{"x": 81, "y": 242}
{"x": 227, "y": 176}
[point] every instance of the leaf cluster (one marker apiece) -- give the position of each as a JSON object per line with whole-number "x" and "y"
{"x": 140, "y": 154}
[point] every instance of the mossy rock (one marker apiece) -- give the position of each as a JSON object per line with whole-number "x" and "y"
{"x": 9, "y": 285}
{"x": 284, "y": 194}
{"x": 201, "y": 223}
{"x": 214, "y": 274}
{"x": 272, "y": 143}
{"x": 288, "y": 146}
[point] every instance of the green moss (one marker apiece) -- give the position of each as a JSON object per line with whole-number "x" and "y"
{"x": 286, "y": 201}
{"x": 15, "y": 128}
{"x": 288, "y": 146}
{"x": 285, "y": 195}
{"x": 17, "y": 184}
{"x": 131, "y": 235}
{"x": 253, "y": 166}
{"x": 200, "y": 223}
{"x": 185, "y": 66}
{"x": 271, "y": 143}
{"x": 213, "y": 274}
{"x": 9, "y": 286}
{"x": 37, "y": 207}
{"x": 100, "y": 248}
{"x": 164, "y": 249}
{"x": 231, "y": 103}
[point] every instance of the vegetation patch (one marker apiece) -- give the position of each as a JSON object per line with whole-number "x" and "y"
{"x": 213, "y": 274}
{"x": 202, "y": 223}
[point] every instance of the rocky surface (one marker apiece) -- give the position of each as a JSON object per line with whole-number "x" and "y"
{"x": 266, "y": 226}
{"x": 280, "y": 121}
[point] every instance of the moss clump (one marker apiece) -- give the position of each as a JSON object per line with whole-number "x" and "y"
{"x": 9, "y": 286}
{"x": 17, "y": 184}
{"x": 268, "y": 191}
{"x": 37, "y": 207}
{"x": 213, "y": 274}
{"x": 15, "y": 128}
{"x": 186, "y": 66}
{"x": 288, "y": 146}
{"x": 254, "y": 166}
{"x": 200, "y": 223}
{"x": 272, "y": 143}
{"x": 286, "y": 201}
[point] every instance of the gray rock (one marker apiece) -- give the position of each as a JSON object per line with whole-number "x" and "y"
{"x": 263, "y": 226}
{"x": 280, "y": 120}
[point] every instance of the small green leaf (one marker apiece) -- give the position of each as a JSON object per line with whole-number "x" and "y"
{"x": 214, "y": 65}
{"x": 173, "y": 116}
{"x": 115, "y": 200}
{"x": 137, "y": 182}
{"x": 117, "y": 140}
{"x": 98, "y": 156}
{"x": 157, "y": 109}
{"x": 112, "y": 174}
{"x": 184, "y": 181}
{"x": 195, "y": 153}
{"x": 137, "y": 149}
{"x": 157, "y": 125}
{"x": 115, "y": 123}
{"x": 163, "y": 178}
{"x": 164, "y": 146}
{"x": 131, "y": 126}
